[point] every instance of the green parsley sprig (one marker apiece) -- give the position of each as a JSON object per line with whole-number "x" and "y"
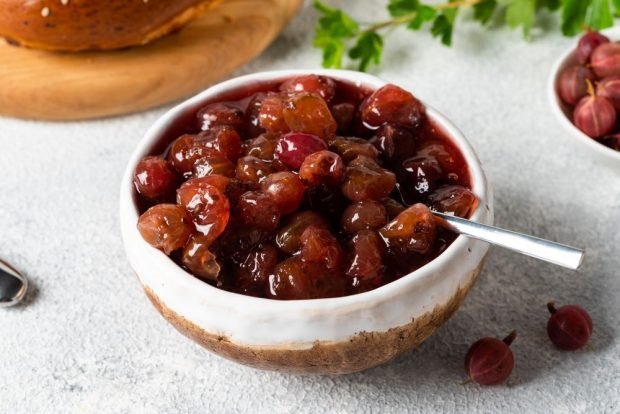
{"x": 338, "y": 34}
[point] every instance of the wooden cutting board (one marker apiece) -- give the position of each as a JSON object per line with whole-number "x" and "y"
{"x": 71, "y": 86}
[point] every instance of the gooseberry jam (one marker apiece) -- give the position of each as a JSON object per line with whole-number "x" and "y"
{"x": 304, "y": 188}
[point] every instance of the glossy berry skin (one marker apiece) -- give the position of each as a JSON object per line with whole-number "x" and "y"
{"x": 605, "y": 60}
{"x": 595, "y": 116}
{"x": 252, "y": 114}
{"x": 257, "y": 209}
{"x": 218, "y": 164}
{"x": 220, "y": 114}
{"x": 288, "y": 238}
{"x": 350, "y": 148}
{"x": 155, "y": 178}
{"x": 186, "y": 150}
{"x": 343, "y": 114}
{"x": 572, "y": 85}
{"x": 392, "y": 207}
{"x": 271, "y": 114}
{"x": 322, "y": 167}
{"x": 490, "y": 361}
{"x": 290, "y": 280}
{"x": 363, "y": 215}
{"x": 366, "y": 180}
{"x": 318, "y": 245}
{"x": 394, "y": 142}
{"x": 587, "y": 43}
{"x": 391, "y": 104}
{"x": 365, "y": 256}
{"x": 199, "y": 260}
{"x": 293, "y": 148}
{"x": 166, "y": 227}
{"x": 252, "y": 170}
{"x": 412, "y": 230}
{"x": 253, "y": 274}
{"x": 285, "y": 189}
{"x": 206, "y": 204}
{"x": 308, "y": 112}
{"x": 453, "y": 199}
{"x": 320, "y": 85}
{"x": 222, "y": 139}
{"x": 419, "y": 176}
{"x": 262, "y": 147}
{"x": 569, "y": 327}
{"x": 609, "y": 88}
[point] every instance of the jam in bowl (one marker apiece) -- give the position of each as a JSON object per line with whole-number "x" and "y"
{"x": 284, "y": 219}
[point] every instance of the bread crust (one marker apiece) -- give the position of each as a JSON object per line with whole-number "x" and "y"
{"x": 78, "y": 25}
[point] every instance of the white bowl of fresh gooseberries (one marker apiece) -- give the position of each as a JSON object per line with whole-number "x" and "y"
{"x": 584, "y": 92}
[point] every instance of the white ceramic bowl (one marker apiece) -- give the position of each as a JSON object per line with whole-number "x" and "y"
{"x": 325, "y": 336}
{"x": 598, "y": 152}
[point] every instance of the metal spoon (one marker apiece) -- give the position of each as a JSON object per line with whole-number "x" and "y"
{"x": 13, "y": 285}
{"x": 552, "y": 252}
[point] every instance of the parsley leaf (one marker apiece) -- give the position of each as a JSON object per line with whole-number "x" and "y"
{"x": 367, "y": 50}
{"x": 574, "y": 16}
{"x": 599, "y": 15}
{"x": 424, "y": 14}
{"x": 521, "y": 13}
{"x": 399, "y": 8}
{"x": 444, "y": 25}
{"x": 484, "y": 10}
{"x": 333, "y": 28}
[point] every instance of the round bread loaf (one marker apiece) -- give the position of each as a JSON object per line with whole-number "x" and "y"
{"x": 76, "y": 25}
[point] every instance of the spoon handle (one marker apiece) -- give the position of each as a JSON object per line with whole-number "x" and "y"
{"x": 559, "y": 254}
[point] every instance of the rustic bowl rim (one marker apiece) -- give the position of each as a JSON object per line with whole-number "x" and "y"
{"x": 129, "y": 212}
{"x": 594, "y": 149}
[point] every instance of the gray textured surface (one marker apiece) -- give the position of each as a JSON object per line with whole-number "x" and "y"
{"x": 89, "y": 341}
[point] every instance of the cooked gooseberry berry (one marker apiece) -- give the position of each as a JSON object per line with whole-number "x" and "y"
{"x": 569, "y": 327}
{"x": 605, "y": 60}
{"x": 252, "y": 170}
{"x": 221, "y": 182}
{"x": 219, "y": 165}
{"x": 572, "y": 85}
{"x": 199, "y": 260}
{"x": 419, "y": 176}
{"x": 343, "y": 114}
{"x": 290, "y": 280}
{"x": 220, "y": 114}
{"x": 223, "y": 139}
{"x": 412, "y": 230}
{"x": 166, "y": 227}
{"x": 155, "y": 178}
{"x": 186, "y": 150}
{"x": 252, "y": 275}
{"x": 271, "y": 114}
{"x": 490, "y": 361}
{"x": 308, "y": 112}
{"x": 609, "y": 88}
{"x": 391, "y": 104}
{"x": 207, "y": 205}
{"x": 288, "y": 238}
{"x": 318, "y": 245}
{"x": 285, "y": 189}
{"x": 394, "y": 142}
{"x": 365, "y": 256}
{"x": 293, "y": 148}
{"x": 321, "y": 85}
{"x": 587, "y": 43}
{"x": 322, "y": 167}
{"x": 363, "y": 215}
{"x": 366, "y": 180}
{"x": 453, "y": 199}
{"x": 252, "y": 115}
{"x": 595, "y": 116}
{"x": 262, "y": 147}
{"x": 349, "y": 148}
{"x": 257, "y": 209}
